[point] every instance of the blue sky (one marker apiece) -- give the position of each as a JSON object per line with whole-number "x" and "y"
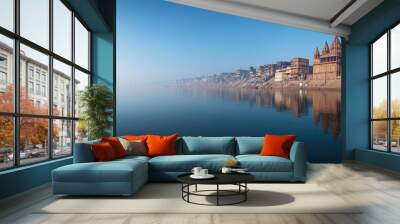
{"x": 160, "y": 41}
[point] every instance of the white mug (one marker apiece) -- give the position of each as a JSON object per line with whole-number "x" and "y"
{"x": 203, "y": 172}
{"x": 226, "y": 170}
{"x": 196, "y": 171}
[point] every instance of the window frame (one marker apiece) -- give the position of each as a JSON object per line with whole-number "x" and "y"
{"x": 388, "y": 74}
{"x": 16, "y": 114}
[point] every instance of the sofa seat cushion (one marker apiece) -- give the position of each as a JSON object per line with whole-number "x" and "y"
{"x": 257, "y": 163}
{"x": 112, "y": 171}
{"x": 133, "y": 158}
{"x": 185, "y": 163}
{"x": 208, "y": 145}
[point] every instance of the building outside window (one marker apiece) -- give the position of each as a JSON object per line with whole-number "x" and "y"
{"x": 385, "y": 91}
{"x": 34, "y": 75}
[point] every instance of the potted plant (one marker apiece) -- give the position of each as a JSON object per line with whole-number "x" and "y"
{"x": 96, "y": 102}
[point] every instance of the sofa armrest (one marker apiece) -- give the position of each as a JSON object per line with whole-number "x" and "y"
{"x": 83, "y": 152}
{"x": 299, "y": 158}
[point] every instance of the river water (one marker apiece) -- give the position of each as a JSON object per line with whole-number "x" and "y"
{"x": 313, "y": 115}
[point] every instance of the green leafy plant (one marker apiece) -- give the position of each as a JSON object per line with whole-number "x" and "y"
{"x": 96, "y": 102}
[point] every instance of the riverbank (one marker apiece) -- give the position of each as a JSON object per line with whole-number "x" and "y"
{"x": 270, "y": 84}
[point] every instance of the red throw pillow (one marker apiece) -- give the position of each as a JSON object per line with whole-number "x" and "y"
{"x": 103, "y": 152}
{"x": 161, "y": 145}
{"x": 277, "y": 145}
{"x": 116, "y": 145}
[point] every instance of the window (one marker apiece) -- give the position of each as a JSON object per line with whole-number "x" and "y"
{"x": 44, "y": 91}
{"x": 385, "y": 94}
{"x": 81, "y": 45}
{"x": 7, "y": 14}
{"x": 3, "y": 78}
{"x": 37, "y": 89}
{"x": 61, "y": 75}
{"x": 46, "y": 76}
{"x": 31, "y": 72}
{"x": 62, "y": 29}
{"x": 3, "y": 61}
{"x": 62, "y": 137}
{"x": 37, "y": 75}
{"x": 33, "y": 143}
{"x": 81, "y": 82}
{"x": 35, "y": 21}
{"x": 6, "y": 142}
{"x": 30, "y": 87}
{"x": 6, "y": 73}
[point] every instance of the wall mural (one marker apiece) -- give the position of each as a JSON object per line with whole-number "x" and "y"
{"x": 195, "y": 72}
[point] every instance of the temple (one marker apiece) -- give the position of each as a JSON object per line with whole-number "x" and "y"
{"x": 327, "y": 65}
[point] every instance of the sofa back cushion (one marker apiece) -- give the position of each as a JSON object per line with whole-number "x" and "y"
{"x": 249, "y": 145}
{"x": 83, "y": 152}
{"x": 208, "y": 145}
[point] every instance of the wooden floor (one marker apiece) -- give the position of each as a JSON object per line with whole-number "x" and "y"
{"x": 377, "y": 188}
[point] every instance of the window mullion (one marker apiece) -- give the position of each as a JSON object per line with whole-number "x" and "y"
{"x": 16, "y": 84}
{"x": 389, "y": 101}
{"x": 50, "y": 77}
{"x": 73, "y": 81}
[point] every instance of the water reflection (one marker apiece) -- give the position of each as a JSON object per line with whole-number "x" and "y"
{"x": 324, "y": 105}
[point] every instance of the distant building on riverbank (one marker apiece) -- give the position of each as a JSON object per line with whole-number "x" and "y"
{"x": 328, "y": 64}
{"x": 270, "y": 69}
{"x": 282, "y": 74}
{"x": 299, "y": 69}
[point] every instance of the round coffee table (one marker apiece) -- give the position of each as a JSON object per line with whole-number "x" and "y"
{"x": 238, "y": 179}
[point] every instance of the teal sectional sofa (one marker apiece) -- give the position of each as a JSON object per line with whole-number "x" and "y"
{"x": 125, "y": 176}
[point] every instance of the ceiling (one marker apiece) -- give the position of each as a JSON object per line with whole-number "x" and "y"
{"x": 328, "y": 16}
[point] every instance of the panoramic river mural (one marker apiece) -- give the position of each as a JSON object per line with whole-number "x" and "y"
{"x": 200, "y": 73}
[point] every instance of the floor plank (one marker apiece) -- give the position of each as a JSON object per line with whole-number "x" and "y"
{"x": 378, "y": 189}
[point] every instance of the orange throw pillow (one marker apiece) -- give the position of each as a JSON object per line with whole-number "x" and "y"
{"x": 277, "y": 145}
{"x": 161, "y": 145}
{"x": 116, "y": 145}
{"x": 103, "y": 152}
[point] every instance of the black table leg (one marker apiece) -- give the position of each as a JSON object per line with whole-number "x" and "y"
{"x": 217, "y": 194}
{"x": 195, "y": 188}
{"x": 182, "y": 189}
{"x": 188, "y": 190}
{"x": 245, "y": 193}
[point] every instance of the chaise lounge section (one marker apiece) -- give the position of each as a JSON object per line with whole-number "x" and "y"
{"x": 125, "y": 176}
